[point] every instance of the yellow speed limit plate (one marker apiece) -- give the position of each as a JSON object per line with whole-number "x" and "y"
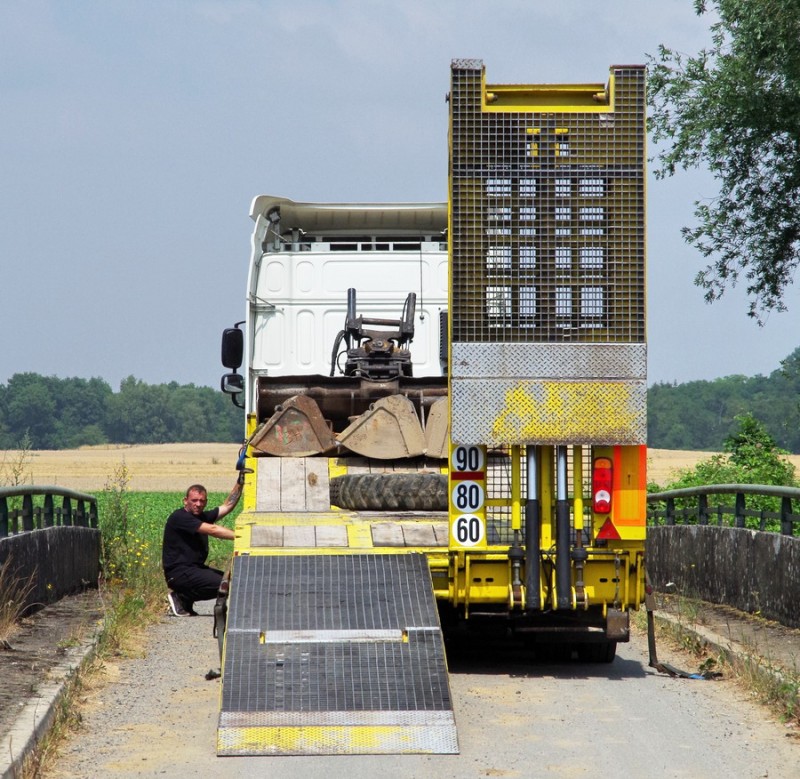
{"x": 467, "y": 496}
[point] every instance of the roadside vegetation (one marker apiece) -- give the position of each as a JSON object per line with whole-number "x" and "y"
{"x": 750, "y": 456}
{"x": 752, "y": 667}
{"x": 13, "y": 597}
{"x": 131, "y": 528}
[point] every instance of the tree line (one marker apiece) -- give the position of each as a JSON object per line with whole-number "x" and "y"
{"x": 702, "y": 414}
{"x": 45, "y": 412}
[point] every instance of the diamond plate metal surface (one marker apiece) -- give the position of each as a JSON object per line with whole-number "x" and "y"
{"x": 467, "y": 64}
{"x": 515, "y": 411}
{"x": 549, "y": 361}
{"x": 334, "y": 653}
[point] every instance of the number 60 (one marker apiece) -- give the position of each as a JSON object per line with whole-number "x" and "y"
{"x": 468, "y": 530}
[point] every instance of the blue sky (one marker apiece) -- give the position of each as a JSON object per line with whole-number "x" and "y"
{"x": 133, "y": 137}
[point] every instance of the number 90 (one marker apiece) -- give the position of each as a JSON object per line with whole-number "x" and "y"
{"x": 468, "y": 458}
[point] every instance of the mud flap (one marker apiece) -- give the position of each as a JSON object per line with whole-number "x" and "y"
{"x": 617, "y": 625}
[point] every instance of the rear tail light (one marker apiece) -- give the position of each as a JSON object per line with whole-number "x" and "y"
{"x": 602, "y": 473}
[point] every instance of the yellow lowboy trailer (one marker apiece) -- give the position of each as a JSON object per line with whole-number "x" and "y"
{"x": 491, "y": 474}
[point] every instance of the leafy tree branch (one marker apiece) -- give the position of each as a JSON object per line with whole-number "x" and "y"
{"x": 734, "y": 108}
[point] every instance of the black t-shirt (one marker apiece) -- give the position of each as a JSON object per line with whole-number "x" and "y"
{"x": 183, "y": 544}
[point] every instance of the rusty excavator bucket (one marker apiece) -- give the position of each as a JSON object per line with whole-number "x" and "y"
{"x": 390, "y": 429}
{"x": 437, "y": 430}
{"x": 296, "y": 429}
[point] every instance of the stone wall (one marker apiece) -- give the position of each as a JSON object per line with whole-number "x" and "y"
{"x": 746, "y": 569}
{"x": 58, "y": 561}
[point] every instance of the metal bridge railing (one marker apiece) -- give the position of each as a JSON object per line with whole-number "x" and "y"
{"x": 691, "y": 505}
{"x": 28, "y": 507}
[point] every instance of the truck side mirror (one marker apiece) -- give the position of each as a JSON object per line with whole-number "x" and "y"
{"x": 233, "y": 384}
{"x": 232, "y": 347}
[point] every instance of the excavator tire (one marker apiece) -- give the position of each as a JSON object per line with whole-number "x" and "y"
{"x": 390, "y": 492}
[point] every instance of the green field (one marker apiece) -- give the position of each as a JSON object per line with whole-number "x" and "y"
{"x": 132, "y": 526}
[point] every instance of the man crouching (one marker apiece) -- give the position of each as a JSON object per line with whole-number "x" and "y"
{"x": 185, "y": 549}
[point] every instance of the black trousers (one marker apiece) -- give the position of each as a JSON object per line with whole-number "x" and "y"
{"x": 200, "y": 583}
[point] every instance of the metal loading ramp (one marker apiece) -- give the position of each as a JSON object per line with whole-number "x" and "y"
{"x": 334, "y": 654}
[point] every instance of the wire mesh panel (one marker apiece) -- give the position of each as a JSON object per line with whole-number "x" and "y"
{"x": 547, "y": 242}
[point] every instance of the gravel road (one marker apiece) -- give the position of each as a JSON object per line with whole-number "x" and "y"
{"x": 156, "y": 717}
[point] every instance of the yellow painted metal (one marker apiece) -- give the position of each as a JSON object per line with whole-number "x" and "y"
{"x": 249, "y": 488}
{"x": 639, "y": 594}
{"x": 577, "y": 487}
{"x": 326, "y": 739}
{"x": 535, "y": 98}
{"x": 601, "y": 570}
{"x": 479, "y": 579}
{"x": 467, "y": 497}
{"x": 627, "y": 586}
{"x": 359, "y": 536}
{"x": 516, "y": 489}
{"x": 547, "y": 495}
{"x": 554, "y": 411}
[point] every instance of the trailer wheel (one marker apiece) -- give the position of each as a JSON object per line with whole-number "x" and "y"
{"x": 390, "y": 492}
{"x": 600, "y": 652}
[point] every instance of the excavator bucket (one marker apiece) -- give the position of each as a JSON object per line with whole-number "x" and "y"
{"x": 389, "y": 429}
{"x": 296, "y": 429}
{"x": 437, "y": 430}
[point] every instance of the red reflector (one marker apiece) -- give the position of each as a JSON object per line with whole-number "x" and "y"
{"x": 608, "y": 531}
{"x": 601, "y": 485}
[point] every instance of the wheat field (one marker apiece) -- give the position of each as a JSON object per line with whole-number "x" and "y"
{"x": 173, "y": 467}
{"x": 149, "y": 468}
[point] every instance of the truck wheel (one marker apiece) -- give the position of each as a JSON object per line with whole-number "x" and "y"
{"x": 390, "y": 492}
